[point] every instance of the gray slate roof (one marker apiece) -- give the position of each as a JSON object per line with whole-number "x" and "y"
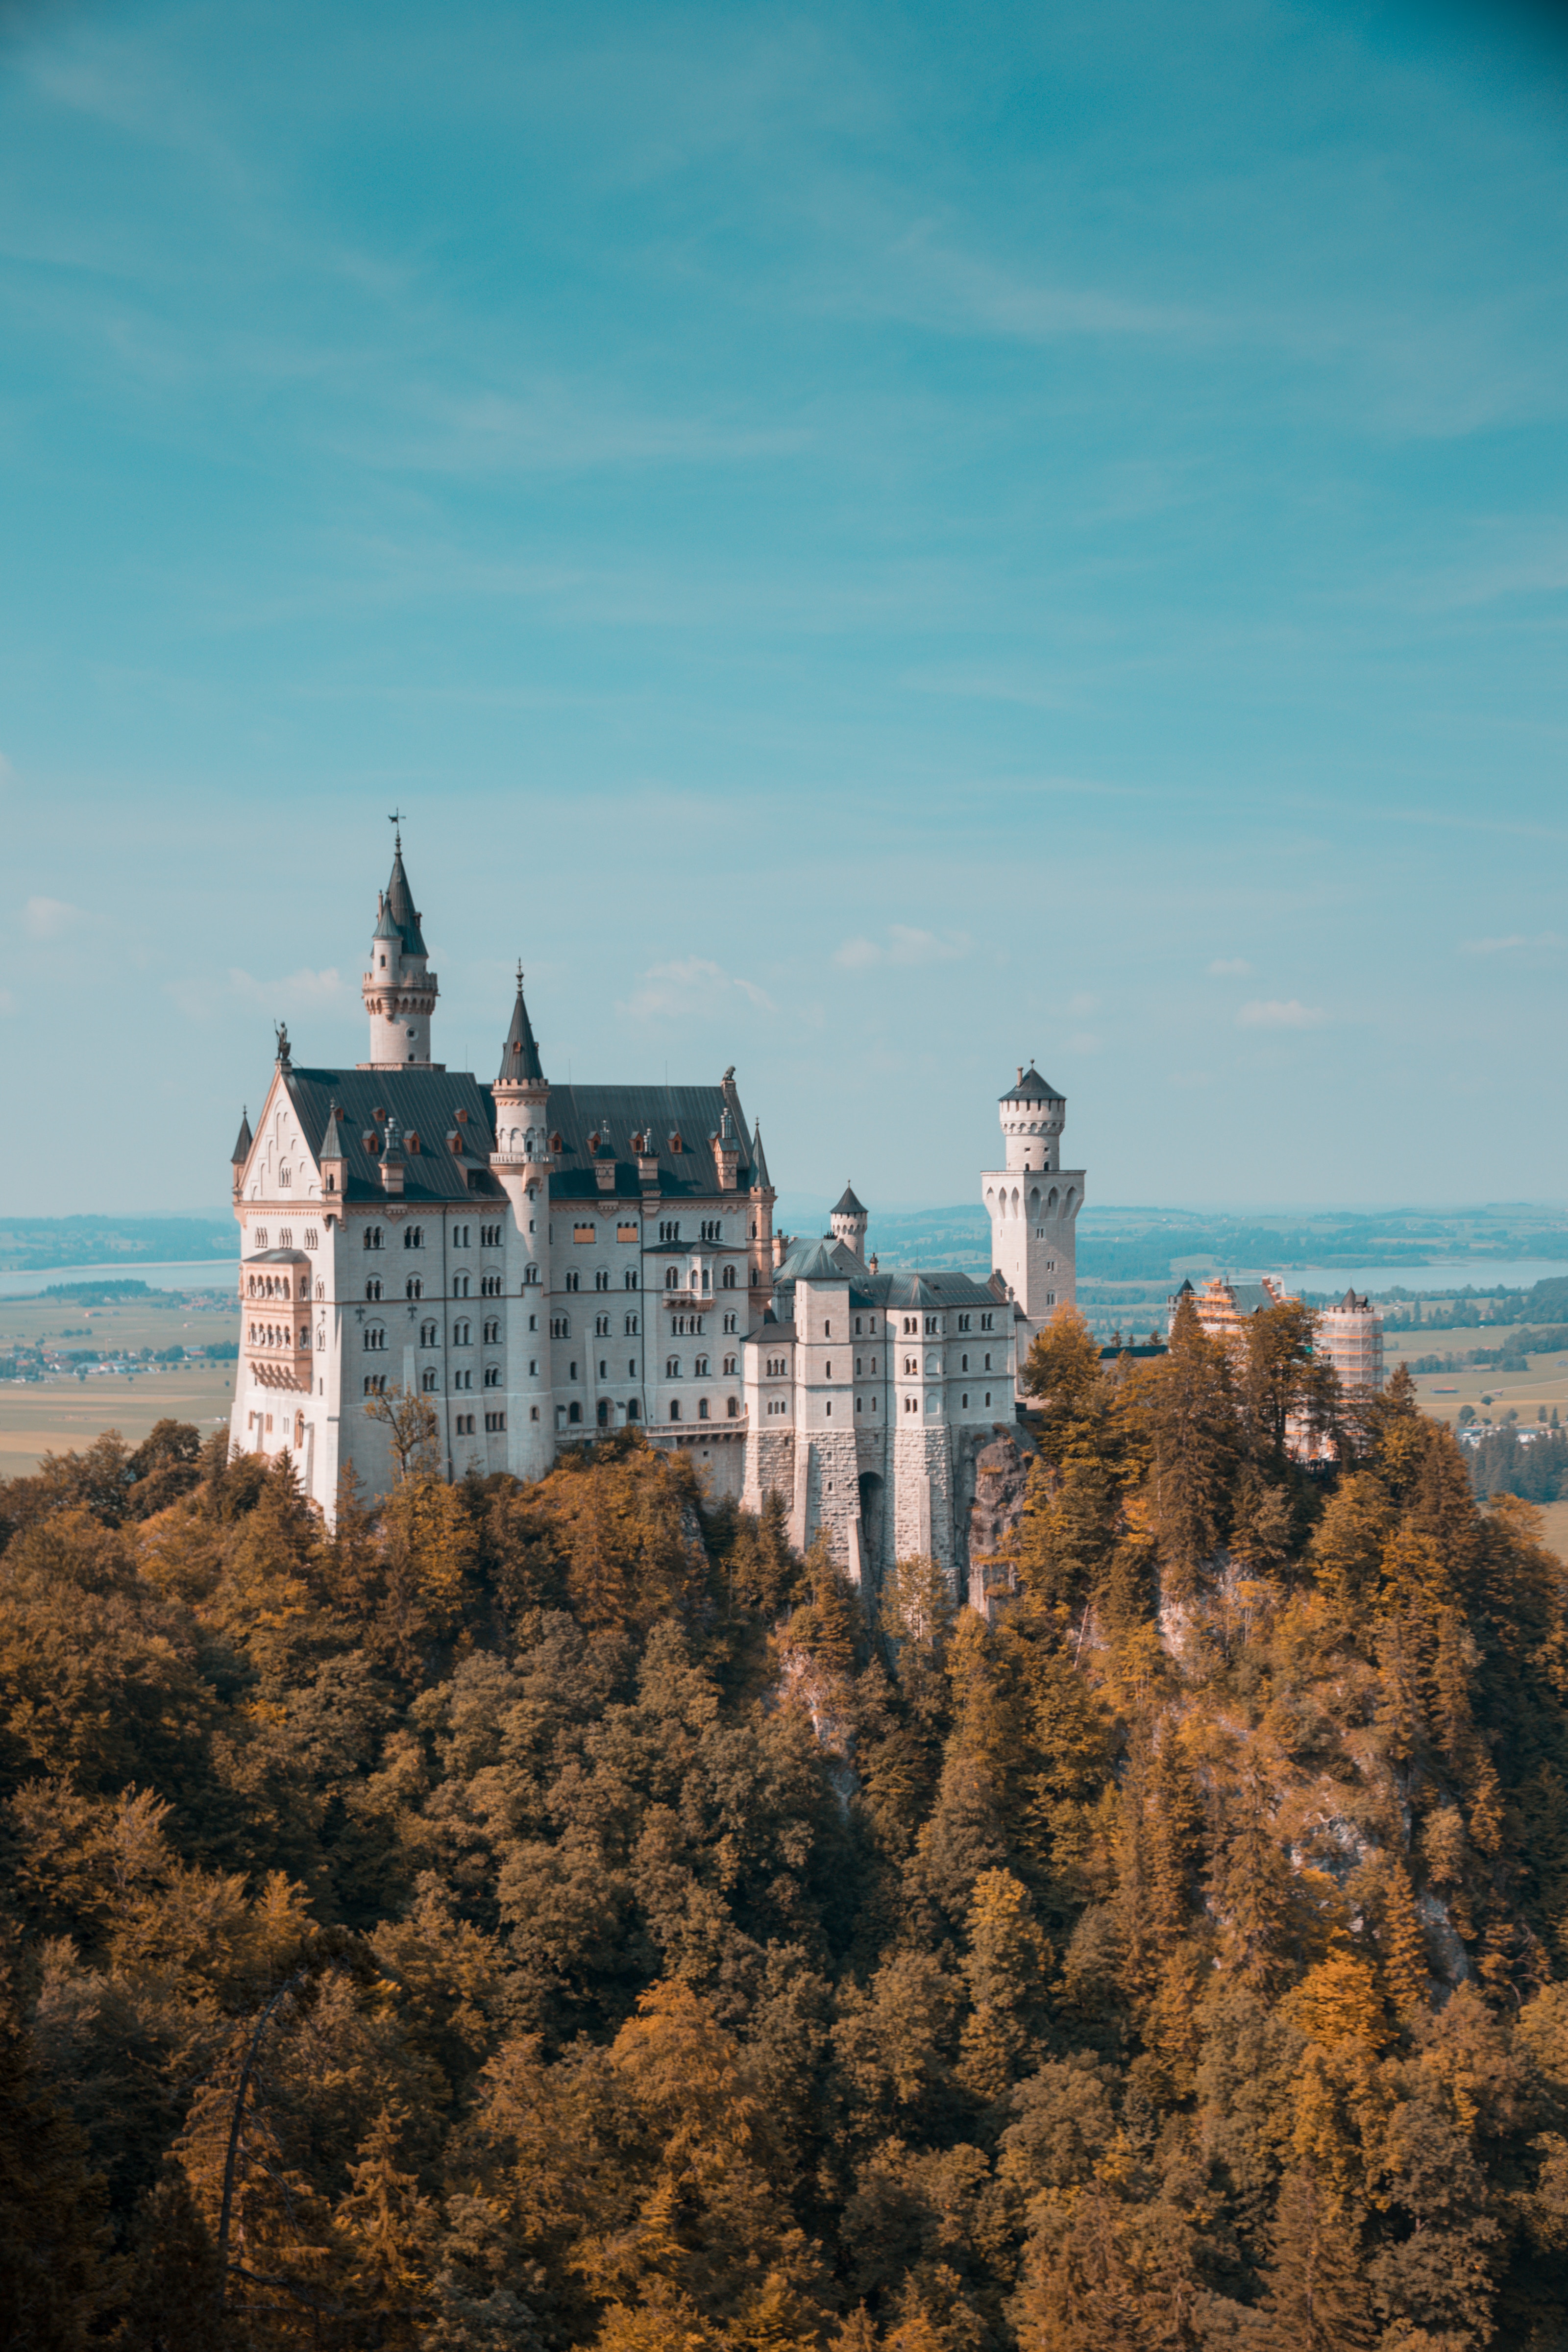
{"x": 822, "y": 1259}
{"x": 1031, "y": 1087}
{"x": 519, "y": 1056}
{"x": 424, "y": 1102}
{"x": 242, "y": 1142}
{"x": 618, "y": 1113}
{"x": 400, "y": 907}
{"x": 849, "y": 1206}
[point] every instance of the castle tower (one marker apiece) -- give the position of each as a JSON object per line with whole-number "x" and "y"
{"x": 761, "y": 1226}
{"x": 399, "y": 989}
{"x": 849, "y": 1222}
{"x": 520, "y": 1162}
{"x": 1032, "y": 1203}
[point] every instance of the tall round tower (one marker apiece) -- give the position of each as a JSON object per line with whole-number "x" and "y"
{"x": 1032, "y": 1203}
{"x": 521, "y": 1163}
{"x": 399, "y": 989}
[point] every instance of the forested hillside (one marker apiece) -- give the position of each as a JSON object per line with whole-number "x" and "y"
{"x": 557, "y": 1915}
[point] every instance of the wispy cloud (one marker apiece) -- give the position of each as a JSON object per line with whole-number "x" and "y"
{"x": 50, "y": 918}
{"x": 687, "y": 989}
{"x": 1230, "y": 968}
{"x": 1085, "y": 1042}
{"x": 302, "y": 989}
{"x": 903, "y": 945}
{"x": 1513, "y": 940}
{"x": 1274, "y": 1012}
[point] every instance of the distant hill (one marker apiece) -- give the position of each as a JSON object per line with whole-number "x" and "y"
{"x": 1153, "y": 1244}
{"x": 31, "y": 1244}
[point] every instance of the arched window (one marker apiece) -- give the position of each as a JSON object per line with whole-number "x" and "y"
{"x": 462, "y": 1334}
{"x": 675, "y": 1408}
{"x": 735, "y": 1408}
{"x": 672, "y": 1277}
{"x": 672, "y": 1368}
{"x": 427, "y": 1379}
{"x": 373, "y": 1289}
{"x": 699, "y": 1368}
{"x": 601, "y": 1280}
{"x": 373, "y": 1237}
{"x": 261, "y": 1237}
{"x": 413, "y": 1236}
{"x": 727, "y": 1280}
{"x": 414, "y": 1287}
{"x": 574, "y": 1411}
{"x": 426, "y": 1335}
{"x": 631, "y": 1327}
{"x": 701, "y": 1408}
{"x": 631, "y": 1278}
{"x": 730, "y": 1366}
{"x": 374, "y": 1338}
{"x": 574, "y": 1280}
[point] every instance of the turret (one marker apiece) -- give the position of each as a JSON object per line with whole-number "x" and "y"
{"x": 522, "y": 1096}
{"x": 399, "y": 989}
{"x": 726, "y": 1151}
{"x": 1032, "y": 1203}
{"x": 849, "y": 1222}
{"x": 520, "y": 1164}
{"x": 764, "y": 1254}
{"x": 1031, "y": 1115}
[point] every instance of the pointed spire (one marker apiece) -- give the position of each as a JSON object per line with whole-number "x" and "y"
{"x": 242, "y": 1141}
{"x": 333, "y": 1142}
{"x": 849, "y": 1206}
{"x": 398, "y": 907}
{"x": 761, "y": 1181}
{"x": 519, "y": 1062}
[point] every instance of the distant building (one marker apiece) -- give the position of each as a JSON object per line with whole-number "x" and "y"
{"x": 1225, "y": 1308}
{"x": 1350, "y": 1336}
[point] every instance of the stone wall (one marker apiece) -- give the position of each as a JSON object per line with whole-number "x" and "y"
{"x": 1001, "y": 1469}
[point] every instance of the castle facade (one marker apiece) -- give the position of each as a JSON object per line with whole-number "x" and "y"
{"x": 543, "y": 1263}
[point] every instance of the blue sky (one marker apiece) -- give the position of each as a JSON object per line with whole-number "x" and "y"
{"x": 871, "y": 543}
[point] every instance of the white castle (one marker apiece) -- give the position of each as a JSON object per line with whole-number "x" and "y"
{"x": 543, "y": 1264}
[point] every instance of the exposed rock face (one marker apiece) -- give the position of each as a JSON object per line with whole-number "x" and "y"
{"x": 1001, "y": 1482}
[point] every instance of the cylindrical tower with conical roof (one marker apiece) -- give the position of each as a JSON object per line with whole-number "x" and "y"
{"x": 1032, "y": 1203}
{"x": 521, "y": 1163}
{"x": 849, "y": 1222}
{"x": 399, "y": 989}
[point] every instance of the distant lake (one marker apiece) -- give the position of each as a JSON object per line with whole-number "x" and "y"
{"x": 204, "y": 1274}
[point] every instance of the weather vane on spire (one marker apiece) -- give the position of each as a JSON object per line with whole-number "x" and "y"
{"x": 395, "y": 821}
{"x": 520, "y": 974}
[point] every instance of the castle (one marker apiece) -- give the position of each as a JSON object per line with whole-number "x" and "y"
{"x": 544, "y": 1263}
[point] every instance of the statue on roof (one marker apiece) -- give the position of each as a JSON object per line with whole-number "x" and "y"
{"x": 282, "y": 1033}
